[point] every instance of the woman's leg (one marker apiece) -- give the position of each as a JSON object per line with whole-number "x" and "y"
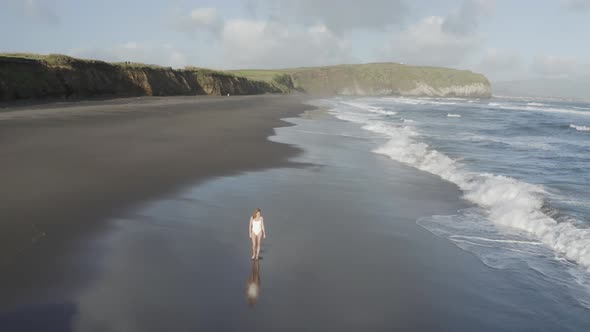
{"x": 254, "y": 246}
{"x": 258, "y": 243}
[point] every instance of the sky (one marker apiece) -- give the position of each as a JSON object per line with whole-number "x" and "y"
{"x": 504, "y": 39}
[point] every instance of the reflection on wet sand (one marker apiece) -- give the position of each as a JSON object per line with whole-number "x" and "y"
{"x": 253, "y": 286}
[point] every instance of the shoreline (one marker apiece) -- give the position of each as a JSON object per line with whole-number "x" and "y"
{"x": 92, "y": 161}
{"x": 344, "y": 251}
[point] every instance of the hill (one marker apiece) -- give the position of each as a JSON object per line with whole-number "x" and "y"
{"x": 377, "y": 79}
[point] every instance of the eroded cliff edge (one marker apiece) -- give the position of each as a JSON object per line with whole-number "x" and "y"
{"x": 58, "y": 76}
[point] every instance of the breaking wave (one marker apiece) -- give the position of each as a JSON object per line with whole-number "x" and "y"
{"x": 580, "y": 128}
{"x": 508, "y": 202}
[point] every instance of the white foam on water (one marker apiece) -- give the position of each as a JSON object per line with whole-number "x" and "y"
{"x": 471, "y": 230}
{"x": 373, "y": 109}
{"x": 420, "y": 101}
{"x": 509, "y": 203}
{"x": 543, "y": 109}
{"x": 540, "y": 107}
{"x": 337, "y": 134}
{"x": 580, "y": 128}
{"x": 453, "y": 115}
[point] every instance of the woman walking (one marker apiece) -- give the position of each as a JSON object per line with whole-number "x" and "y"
{"x": 257, "y": 232}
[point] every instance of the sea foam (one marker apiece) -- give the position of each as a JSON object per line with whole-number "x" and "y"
{"x": 580, "y": 128}
{"x": 509, "y": 202}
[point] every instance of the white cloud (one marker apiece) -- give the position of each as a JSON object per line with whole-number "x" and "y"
{"x": 204, "y": 16}
{"x": 439, "y": 41}
{"x": 427, "y": 43}
{"x": 164, "y": 55}
{"x": 198, "y": 19}
{"x": 337, "y": 15}
{"x": 266, "y": 44}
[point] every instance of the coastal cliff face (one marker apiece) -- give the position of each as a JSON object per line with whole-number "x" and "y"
{"x": 479, "y": 90}
{"x": 30, "y": 76}
{"x": 57, "y": 76}
{"x": 475, "y": 90}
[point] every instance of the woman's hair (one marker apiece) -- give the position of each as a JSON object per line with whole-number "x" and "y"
{"x": 255, "y": 212}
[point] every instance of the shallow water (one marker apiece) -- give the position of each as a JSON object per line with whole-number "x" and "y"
{"x": 523, "y": 163}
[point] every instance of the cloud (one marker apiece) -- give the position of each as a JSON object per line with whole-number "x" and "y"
{"x": 559, "y": 66}
{"x": 466, "y": 19}
{"x": 41, "y": 11}
{"x": 438, "y": 40}
{"x": 268, "y": 44}
{"x": 496, "y": 60}
{"x": 165, "y": 55}
{"x": 336, "y": 15}
{"x": 204, "y": 16}
{"x": 427, "y": 43}
{"x": 199, "y": 19}
{"x": 263, "y": 43}
{"x": 576, "y": 5}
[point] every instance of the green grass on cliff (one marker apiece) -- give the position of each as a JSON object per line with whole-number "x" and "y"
{"x": 65, "y": 60}
{"x": 50, "y": 59}
{"x": 207, "y": 71}
{"x": 266, "y": 75}
{"x": 367, "y": 76}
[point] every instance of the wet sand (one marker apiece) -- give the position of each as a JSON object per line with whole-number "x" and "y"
{"x": 67, "y": 167}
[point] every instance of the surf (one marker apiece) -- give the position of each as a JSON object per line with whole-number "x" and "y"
{"x": 508, "y": 202}
{"x": 580, "y": 128}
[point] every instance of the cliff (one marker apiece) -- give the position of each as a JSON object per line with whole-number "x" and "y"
{"x": 30, "y": 76}
{"x": 378, "y": 79}
{"x": 26, "y": 76}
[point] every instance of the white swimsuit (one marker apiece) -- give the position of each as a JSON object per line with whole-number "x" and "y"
{"x": 256, "y": 227}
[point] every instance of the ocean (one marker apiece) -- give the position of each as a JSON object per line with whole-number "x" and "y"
{"x": 521, "y": 164}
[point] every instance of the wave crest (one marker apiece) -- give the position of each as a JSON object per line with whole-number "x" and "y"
{"x": 580, "y": 128}
{"x": 510, "y": 202}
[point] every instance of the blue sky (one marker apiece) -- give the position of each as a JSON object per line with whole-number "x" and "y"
{"x": 504, "y": 39}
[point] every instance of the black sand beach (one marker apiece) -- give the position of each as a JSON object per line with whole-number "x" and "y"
{"x": 343, "y": 251}
{"x": 68, "y": 167}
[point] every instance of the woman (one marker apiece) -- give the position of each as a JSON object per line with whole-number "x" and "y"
{"x": 257, "y": 232}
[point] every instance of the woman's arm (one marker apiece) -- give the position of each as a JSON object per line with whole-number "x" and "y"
{"x": 250, "y": 228}
{"x": 263, "y": 230}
